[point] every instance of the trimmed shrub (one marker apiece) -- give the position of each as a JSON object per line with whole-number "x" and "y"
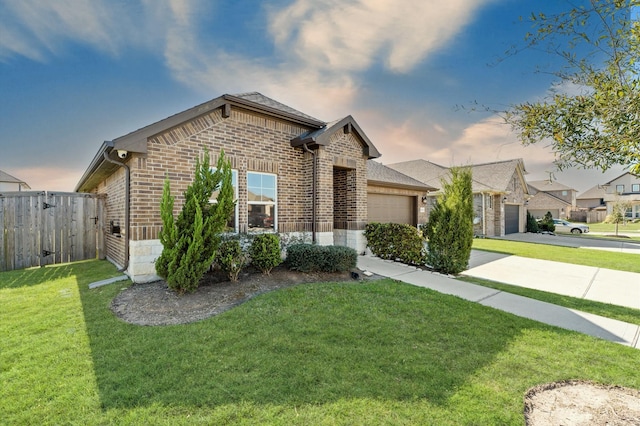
{"x": 230, "y": 258}
{"x": 264, "y": 252}
{"x": 314, "y": 258}
{"x": 395, "y": 241}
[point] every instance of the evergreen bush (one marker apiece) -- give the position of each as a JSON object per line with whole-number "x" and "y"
{"x": 450, "y": 226}
{"x": 314, "y": 258}
{"x": 230, "y": 258}
{"x": 396, "y": 242}
{"x": 190, "y": 242}
{"x": 532, "y": 224}
{"x": 546, "y": 224}
{"x": 264, "y": 252}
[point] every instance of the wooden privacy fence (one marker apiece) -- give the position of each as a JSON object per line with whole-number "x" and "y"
{"x": 42, "y": 228}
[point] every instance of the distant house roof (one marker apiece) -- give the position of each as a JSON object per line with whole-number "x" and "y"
{"x": 596, "y": 192}
{"x": 380, "y": 174}
{"x": 486, "y": 177}
{"x": 548, "y": 185}
{"x": 6, "y": 177}
{"x": 624, "y": 174}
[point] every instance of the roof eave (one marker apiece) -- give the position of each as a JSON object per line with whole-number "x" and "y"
{"x": 423, "y": 188}
{"x": 94, "y": 166}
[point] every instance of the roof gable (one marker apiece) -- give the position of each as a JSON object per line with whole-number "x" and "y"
{"x": 322, "y": 136}
{"x": 136, "y": 141}
{"x": 6, "y": 177}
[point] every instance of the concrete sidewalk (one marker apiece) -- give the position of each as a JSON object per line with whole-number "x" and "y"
{"x": 584, "y": 282}
{"x": 570, "y": 319}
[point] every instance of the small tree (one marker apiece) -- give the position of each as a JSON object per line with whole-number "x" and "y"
{"x": 532, "y": 224}
{"x": 450, "y": 225}
{"x": 190, "y": 242}
{"x": 618, "y": 212}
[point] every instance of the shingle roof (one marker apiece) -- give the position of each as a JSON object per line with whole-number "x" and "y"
{"x": 6, "y": 177}
{"x": 422, "y": 170}
{"x": 548, "y": 185}
{"x": 261, "y": 99}
{"x": 495, "y": 176}
{"x": 596, "y": 192}
{"x": 380, "y": 173}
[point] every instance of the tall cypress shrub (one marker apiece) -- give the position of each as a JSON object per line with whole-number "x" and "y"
{"x": 450, "y": 225}
{"x": 190, "y": 242}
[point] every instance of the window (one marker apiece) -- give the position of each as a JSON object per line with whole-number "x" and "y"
{"x": 635, "y": 187}
{"x": 233, "y": 221}
{"x": 261, "y": 201}
{"x": 564, "y": 193}
{"x": 619, "y": 189}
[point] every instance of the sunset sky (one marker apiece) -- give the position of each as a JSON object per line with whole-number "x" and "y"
{"x": 75, "y": 73}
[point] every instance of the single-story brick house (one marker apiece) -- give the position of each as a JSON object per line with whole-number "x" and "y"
{"x": 500, "y": 192}
{"x": 292, "y": 173}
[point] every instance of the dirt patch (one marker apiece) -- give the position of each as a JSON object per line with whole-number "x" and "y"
{"x": 582, "y": 403}
{"x": 155, "y": 304}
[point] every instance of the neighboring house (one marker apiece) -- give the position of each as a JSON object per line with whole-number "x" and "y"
{"x": 592, "y": 198}
{"x": 499, "y": 188}
{"x": 9, "y": 183}
{"x": 624, "y": 189}
{"x": 292, "y": 173}
{"x": 550, "y": 196}
{"x": 393, "y": 197}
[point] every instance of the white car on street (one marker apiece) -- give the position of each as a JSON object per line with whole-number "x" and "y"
{"x": 564, "y": 227}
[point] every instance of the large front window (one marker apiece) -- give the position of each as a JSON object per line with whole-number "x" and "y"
{"x": 261, "y": 201}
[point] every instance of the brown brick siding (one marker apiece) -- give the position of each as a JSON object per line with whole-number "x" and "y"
{"x": 252, "y": 142}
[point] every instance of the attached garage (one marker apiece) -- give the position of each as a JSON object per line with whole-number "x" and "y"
{"x": 511, "y": 219}
{"x": 387, "y": 208}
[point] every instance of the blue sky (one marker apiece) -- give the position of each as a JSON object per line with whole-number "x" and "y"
{"x": 75, "y": 73}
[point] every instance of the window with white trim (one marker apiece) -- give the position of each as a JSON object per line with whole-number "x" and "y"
{"x": 232, "y": 225}
{"x": 635, "y": 187}
{"x": 262, "y": 201}
{"x": 619, "y": 189}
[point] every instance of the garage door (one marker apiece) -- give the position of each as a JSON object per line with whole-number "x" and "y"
{"x": 511, "y": 219}
{"x": 385, "y": 208}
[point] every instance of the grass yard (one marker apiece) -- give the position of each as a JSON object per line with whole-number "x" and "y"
{"x": 578, "y": 256}
{"x": 611, "y": 227}
{"x": 332, "y": 353}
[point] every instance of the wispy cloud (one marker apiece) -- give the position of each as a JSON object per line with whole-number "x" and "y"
{"x": 36, "y": 29}
{"x": 353, "y": 35}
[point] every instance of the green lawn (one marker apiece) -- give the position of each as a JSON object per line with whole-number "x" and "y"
{"x": 577, "y": 256}
{"x": 379, "y": 352}
{"x": 610, "y": 227}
